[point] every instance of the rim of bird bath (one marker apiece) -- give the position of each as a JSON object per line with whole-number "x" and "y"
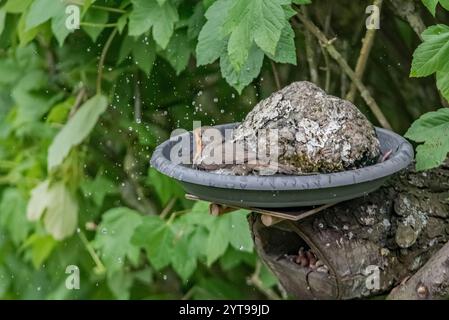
{"x": 285, "y": 191}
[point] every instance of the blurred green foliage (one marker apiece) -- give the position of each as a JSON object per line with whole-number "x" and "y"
{"x": 81, "y": 111}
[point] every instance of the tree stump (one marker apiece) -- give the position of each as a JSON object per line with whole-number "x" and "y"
{"x": 367, "y": 246}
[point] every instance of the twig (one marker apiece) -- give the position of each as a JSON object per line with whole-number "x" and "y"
{"x": 368, "y": 42}
{"x": 366, "y": 95}
{"x": 78, "y": 101}
{"x": 98, "y": 25}
{"x": 104, "y": 8}
{"x": 406, "y": 10}
{"x": 255, "y": 281}
{"x": 343, "y": 76}
{"x": 168, "y": 208}
{"x": 276, "y": 76}
{"x": 102, "y": 59}
{"x": 99, "y": 266}
{"x": 137, "y": 99}
{"x": 327, "y": 69}
{"x": 310, "y": 55}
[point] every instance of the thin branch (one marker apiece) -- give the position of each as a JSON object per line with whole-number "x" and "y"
{"x": 276, "y": 75}
{"x": 102, "y": 59}
{"x": 343, "y": 76}
{"x": 368, "y": 42}
{"x": 406, "y": 10}
{"x": 327, "y": 69}
{"x": 366, "y": 95}
{"x": 137, "y": 99}
{"x": 99, "y": 266}
{"x": 78, "y": 101}
{"x": 255, "y": 281}
{"x": 310, "y": 55}
{"x": 168, "y": 208}
{"x": 98, "y": 25}
{"x": 104, "y": 8}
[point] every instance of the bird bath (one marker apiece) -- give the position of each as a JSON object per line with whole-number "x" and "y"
{"x": 285, "y": 191}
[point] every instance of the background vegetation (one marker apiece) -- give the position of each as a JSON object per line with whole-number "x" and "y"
{"x": 81, "y": 112}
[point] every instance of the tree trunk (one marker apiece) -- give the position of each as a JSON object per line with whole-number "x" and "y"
{"x": 366, "y": 246}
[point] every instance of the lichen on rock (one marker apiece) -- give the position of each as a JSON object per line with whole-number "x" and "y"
{"x": 317, "y": 132}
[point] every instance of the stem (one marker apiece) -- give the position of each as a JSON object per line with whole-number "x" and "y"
{"x": 137, "y": 99}
{"x": 98, "y": 25}
{"x": 102, "y": 59}
{"x": 309, "y": 52}
{"x": 99, "y": 265}
{"x": 78, "y": 101}
{"x": 117, "y": 10}
{"x": 256, "y": 282}
{"x": 275, "y": 75}
{"x": 368, "y": 42}
{"x": 366, "y": 95}
{"x": 168, "y": 208}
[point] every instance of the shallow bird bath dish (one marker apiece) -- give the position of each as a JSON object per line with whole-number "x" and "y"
{"x": 285, "y": 191}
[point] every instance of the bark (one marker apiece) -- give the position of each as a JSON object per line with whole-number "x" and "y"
{"x": 430, "y": 282}
{"x": 391, "y": 233}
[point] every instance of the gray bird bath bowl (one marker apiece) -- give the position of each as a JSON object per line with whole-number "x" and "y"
{"x": 285, "y": 191}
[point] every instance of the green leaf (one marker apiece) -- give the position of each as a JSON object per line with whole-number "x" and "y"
{"x": 113, "y": 238}
{"x": 165, "y": 187}
{"x": 302, "y": 1}
{"x": 183, "y": 261}
{"x": 5, "y": 281}
{"x": 41, "y": 248}
{"x": 97, "y": 17}
{"x": 285, "y": 50}
{"x": 41, "y": 11}
{"x": 216, "y": 288}
{"x": 241, "y": 236}
{"x": 249, "y": 71}
{"x": 61, "y": 214}
{"x": 144, "y": 53}
{"x": 148, "y": 14}
{"x": 120, "y": 283}
{"x": 2, "y": 20}
{"x": 76, "y": 130}
{"x": 38, "y": 202}
{"x": 156, "y": 237}
{"x": 13, "y": 215}
{"x": 218, "y": 240}
{"x": 196, "y": 21}
{"x": 58, "y": 27}
{"x": 431, "y": 5}
{"x": 17, "y": 6}
{"x": 239, "y": 45}
{"x": 211, "y": 42}
{"x": 98, "y": 188}
{"x": 431, "y": 128}
{"x": 443, "y": 84}
{"x": 58, "y": 207}
{"x": 445, "y": 4}
{"x": 433, "y": 54}
{"x": 178, "y": 51}
{"x": 25, "y": 36}
{"x": 260, "y": 21}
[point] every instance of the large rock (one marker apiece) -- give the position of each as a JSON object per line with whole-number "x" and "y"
{"x": 317, "y": 132}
